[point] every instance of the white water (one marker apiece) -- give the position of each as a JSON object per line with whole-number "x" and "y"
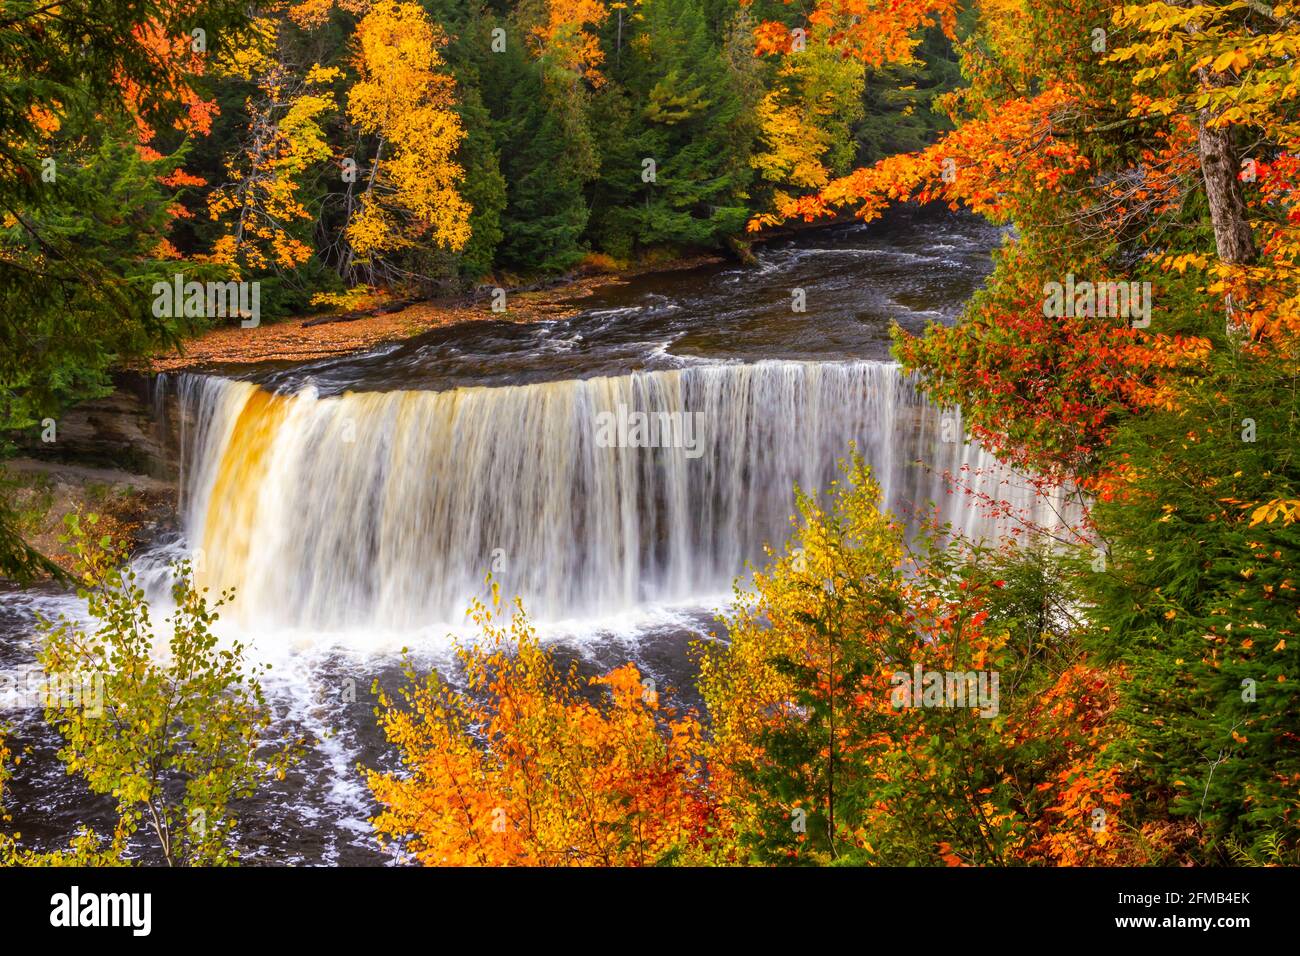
{"x": 383, "y": 511}
{"x": 344, "y": 552}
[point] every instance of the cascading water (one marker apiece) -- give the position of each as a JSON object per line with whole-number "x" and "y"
{"x": 385, "y": 510}
{"x": 355, "y": 520}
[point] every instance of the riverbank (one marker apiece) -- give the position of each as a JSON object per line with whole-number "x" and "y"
{"x": 306, "y": 338}
{"x": 132, "y": 508}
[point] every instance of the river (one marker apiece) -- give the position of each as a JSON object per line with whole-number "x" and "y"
{"x": 356, "y": 504}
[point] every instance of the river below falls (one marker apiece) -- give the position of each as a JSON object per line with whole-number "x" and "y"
{"x": 473, "y": 441}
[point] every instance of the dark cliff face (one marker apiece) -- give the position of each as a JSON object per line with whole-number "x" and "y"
{"x": 129, "y": 430}
{"x": 114, "y": 457}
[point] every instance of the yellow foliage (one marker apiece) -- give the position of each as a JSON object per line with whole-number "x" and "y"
{"x": 253, "y": 51}
{"x": 403, "y": 99}
{"x": 260, "y": 203}
{"x": 794, "y": 148}
{"x": 805, "y": 121}
{"x": 310, "y": 14}
{"x": 1287, "y": 509}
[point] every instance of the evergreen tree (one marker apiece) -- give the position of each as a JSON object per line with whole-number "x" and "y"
{"x": 485, "y": 187}
{"x": 545, "y": 213}
{"x": 90, "y": 259}
{"x": 616, "y": 192}
{"x": 81, "y": 214}
{"x": 691, "y": 130}
{"x": 469, "y": 54}
{"x": 1200, "y": 605}
{"x": 899, "y": 101}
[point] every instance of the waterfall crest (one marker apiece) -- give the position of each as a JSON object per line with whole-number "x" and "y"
{"x": 387, "y": 509}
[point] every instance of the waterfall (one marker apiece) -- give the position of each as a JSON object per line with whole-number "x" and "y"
{"x": 387, "y": 509}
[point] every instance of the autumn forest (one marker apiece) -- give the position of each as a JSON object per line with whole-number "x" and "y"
{"x": 668, "y": 433}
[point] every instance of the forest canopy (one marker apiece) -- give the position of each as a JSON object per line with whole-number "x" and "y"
{"x": 1135, "y": 344}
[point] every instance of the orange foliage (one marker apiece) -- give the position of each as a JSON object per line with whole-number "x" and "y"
{"x": 970, "y": 166}
{"x": 874, "y": 31}
{"x": 1080, "y": 826}
{"x": 524, "y": 767}
{"x": 177, "y": 55}
{"x": 530, "y": 764}
{"x": 829, "y": 626}
{"x": 564, "y": 36}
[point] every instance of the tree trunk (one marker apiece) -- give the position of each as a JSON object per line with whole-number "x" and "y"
{"x": 1232, "y": 236}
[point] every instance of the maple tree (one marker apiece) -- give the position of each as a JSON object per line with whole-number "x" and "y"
{"x": 1054, "y": 160}
{"x": 873, "y": 31}
{"x": 567, "y": 39}
{"x": 814, "y": 756}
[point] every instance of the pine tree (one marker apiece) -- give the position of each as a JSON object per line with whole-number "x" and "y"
{"x": 899, "y": 101}
{"x": 469, "y": 54}
{"x": 81, "y": 214}
{"x": 691, "y": 130}
{"x": 545, "y": 213}
{"x": 484, "y": 189}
